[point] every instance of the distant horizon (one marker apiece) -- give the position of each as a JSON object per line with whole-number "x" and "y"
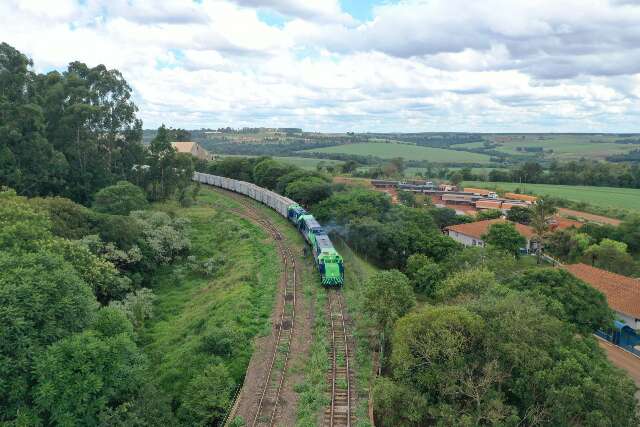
{"x": 399, "y": 132}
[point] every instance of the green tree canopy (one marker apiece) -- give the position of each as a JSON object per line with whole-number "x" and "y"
{"x": 424, "y": 274}
{"x": 581, "y": 304}
{"x": 120, "y": 199}
{"x": 42, "y": 299}
{"x": 387, "y": 297}
{"x": 503, "y": 235}
{"x": 83, "y": 375}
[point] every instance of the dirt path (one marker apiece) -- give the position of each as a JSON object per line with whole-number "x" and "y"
{"x": 267, "y": 397}
{"x": 589, "y": 217}
{"x": 622, "y": 359}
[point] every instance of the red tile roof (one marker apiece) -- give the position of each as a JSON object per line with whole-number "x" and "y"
{"x": 622, "y": 292}
{"x": 480, "y": 228}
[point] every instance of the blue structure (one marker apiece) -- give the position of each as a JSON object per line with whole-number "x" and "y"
{"x": 622, "y": 335}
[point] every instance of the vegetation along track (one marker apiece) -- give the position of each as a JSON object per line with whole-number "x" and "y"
{"x": 266, "y": 407}
{"x": 339, "y": 413}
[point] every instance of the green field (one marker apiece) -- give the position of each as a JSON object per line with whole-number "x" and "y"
{"x": 564, "y": 146}
{"x": 406, "y": 151}
{"x": 609, "y": 197}
{"x": 307, "y": 163}
{"x": 302, "y": 162}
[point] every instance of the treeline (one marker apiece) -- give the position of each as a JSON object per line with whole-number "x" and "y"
{"x": 74, "y": 298}
{"x": 581, "y": 172}
{"x": 73, "y": 133}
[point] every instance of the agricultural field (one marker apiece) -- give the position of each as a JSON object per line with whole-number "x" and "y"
{"x": 308, "y": 163}
{"x": 622, "y": 198}
{"x": 406, "y": 151}
{"x": 564, "y": 146}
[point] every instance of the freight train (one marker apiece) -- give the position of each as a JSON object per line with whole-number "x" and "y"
{"x": 328, "y": 261}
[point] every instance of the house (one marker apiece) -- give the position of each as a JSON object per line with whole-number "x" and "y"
{"x": 192, "y": 148}
{"x": 622, "y": 292}
{"x": 470, "y": 234}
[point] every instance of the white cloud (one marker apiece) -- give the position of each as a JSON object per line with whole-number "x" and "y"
{"x": 437, "y": 65}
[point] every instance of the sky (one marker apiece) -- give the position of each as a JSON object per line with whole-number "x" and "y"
{"x": 353, "y": 65}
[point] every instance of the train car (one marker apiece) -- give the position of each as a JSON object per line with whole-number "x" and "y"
{"x": 328, "y": 261}
{"x": 294, "y": 213}
{"x": 310, "y": 227}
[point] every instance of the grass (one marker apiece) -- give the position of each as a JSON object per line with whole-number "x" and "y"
{"x": 302, "y": 162}
{"x": 621, "y": 198}
{"x": 564, "y": 146}
{"x": 407, "y": 151}
{"x": 194, "y": 313}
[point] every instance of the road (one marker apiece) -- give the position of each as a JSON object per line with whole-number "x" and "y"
{"x": 622, "y": 359}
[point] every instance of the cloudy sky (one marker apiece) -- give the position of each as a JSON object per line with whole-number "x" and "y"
{"x": 360, "y": 65}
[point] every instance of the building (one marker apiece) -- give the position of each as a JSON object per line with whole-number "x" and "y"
{"x": 523, "y": 197}
{"x": 470, "y": 234}
{"x": 622, "y": 292}
{"x": 192, "y": 148}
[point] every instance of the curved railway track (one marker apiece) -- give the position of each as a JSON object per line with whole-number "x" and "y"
{"x": 339, "y": 378}
{"x": 266, "y": 408}
{"x": 339, "y": 412}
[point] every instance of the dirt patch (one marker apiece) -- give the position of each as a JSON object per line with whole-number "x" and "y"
{"x": 588, "y": 217}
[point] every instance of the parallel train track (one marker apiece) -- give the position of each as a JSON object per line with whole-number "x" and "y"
{"x": 338, "y": 413}
{"x": 267, "y": 402}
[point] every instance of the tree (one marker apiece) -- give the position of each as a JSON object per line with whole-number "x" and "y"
{"x": 407, "y": 198}
{"x": 28, "y": 161}
{"x": 399, "y": 404}
{"x": 456, "y": 178}
{"x": 207, "y": 397}
{"x": 83, "y": 375}
{"x": 611, "y": 255}
{"x": 520, "y": 214}
{"x": 581, "y": 304}
{"x": 137, "y": 306}
{"x": 308, "y": 191}
{"x": 120, "y": 199}
{"x": 424, "y": 274}
{"x": 42, "y": 300}
{"x": 268, "y": 171}
{"x": 161, "y": 160}
{"x": 22, "y": 228}
{"x": 541, "y": 214}
{"x": 488, "y": 214}
{"x": 503, "y": 235}
{"x": 467, "y": 283}
{"x": 387, "y": 297}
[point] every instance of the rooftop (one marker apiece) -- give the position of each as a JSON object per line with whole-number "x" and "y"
{"x": 479, "y": 228}
{"x": 622, "y": 292}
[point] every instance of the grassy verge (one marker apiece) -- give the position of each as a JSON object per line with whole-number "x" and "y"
{"x": 204, "y": 320}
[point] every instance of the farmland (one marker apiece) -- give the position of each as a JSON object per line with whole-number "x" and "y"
{"x": 622, "y": 198}
{"x": 406, "y": 151}
{"x": 564, "y": 146}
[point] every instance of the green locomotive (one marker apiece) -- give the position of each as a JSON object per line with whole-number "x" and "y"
{"x": 329, "y": 262}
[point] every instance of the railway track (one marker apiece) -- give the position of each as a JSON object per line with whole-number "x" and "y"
{"x": 339, "y": 412}
{"x": 266, "y": 408}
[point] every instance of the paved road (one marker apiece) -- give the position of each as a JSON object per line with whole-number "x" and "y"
{"x": 623, "y": 360}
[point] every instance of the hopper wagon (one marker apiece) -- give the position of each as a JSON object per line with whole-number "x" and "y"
{"x": 328, "y": 261}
